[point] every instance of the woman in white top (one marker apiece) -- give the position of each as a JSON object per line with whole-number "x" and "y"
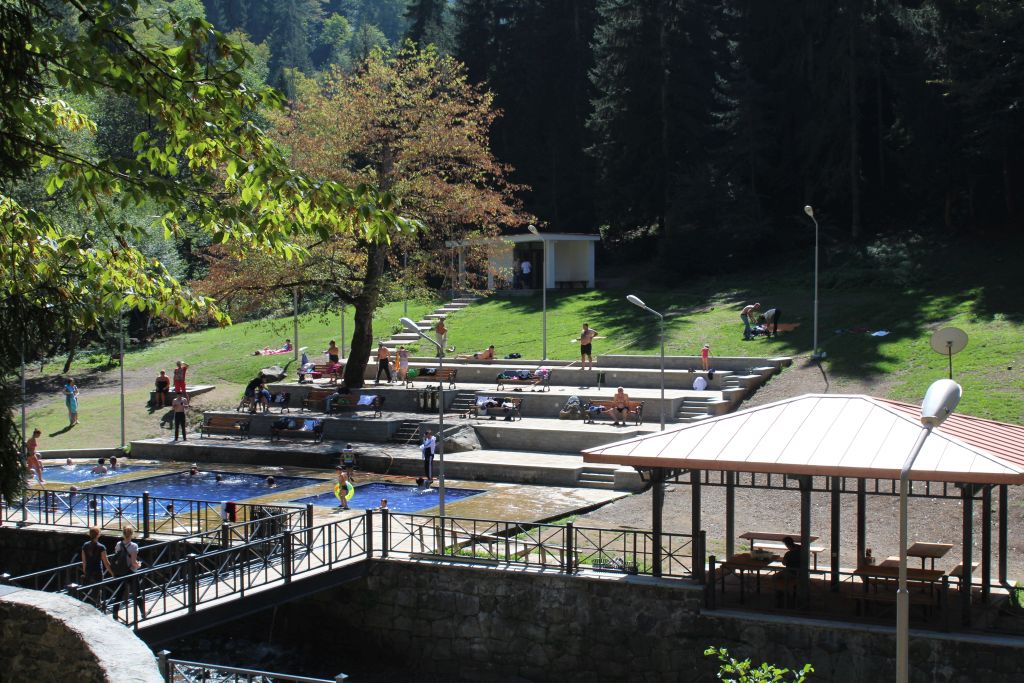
{"x": 403, "y": 362}
{"x": 130, "y": 586}
{"x": 427, "y": 448}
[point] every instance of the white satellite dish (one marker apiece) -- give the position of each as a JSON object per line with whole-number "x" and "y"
{"x": 949, "y": 341}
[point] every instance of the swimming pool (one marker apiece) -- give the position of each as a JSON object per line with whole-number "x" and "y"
{"x": 234, "y": 486}
{"x": 400, "y": 497}
{"x": 72, "y": 474}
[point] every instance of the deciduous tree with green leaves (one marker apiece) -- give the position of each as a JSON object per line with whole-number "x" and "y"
{"x": 188, "y": 88}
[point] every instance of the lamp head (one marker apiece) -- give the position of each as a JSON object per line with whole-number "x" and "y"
{"x": 410, "y": 325}
{"x": 635, "y": 300}
{"x": 939, "y": 402}
{"x": 809, "y": 210}
{"x": 533, "y": 229}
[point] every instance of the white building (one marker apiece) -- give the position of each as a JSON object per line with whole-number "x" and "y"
{"x": 569, "y": 258}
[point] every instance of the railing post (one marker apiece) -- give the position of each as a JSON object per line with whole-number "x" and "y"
{"x": 286, "y": 555}
{"x": 385, "y": 532}
{"x": 368, "y": 533}
{"x": 698, "y": 556}
{"x": 709, "y": 588}
{"x": 193, "y": 587}
{"x": 309, "y": 526}
{"x": 161, "y": 658}
{"x": 225, "y": 534}
{"x": 24, "y": 510}
{"x": 570, "y": 555}
{"x": 145, "y": 514}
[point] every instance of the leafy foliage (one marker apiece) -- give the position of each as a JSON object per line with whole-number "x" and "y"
{"x": 744, "y": 671}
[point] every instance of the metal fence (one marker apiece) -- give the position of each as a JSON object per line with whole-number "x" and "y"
{"x": 182, "y": 671}
{"x": 148, "y": 514}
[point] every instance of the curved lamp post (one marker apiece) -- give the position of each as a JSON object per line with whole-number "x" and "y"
{"x": 939, "y": 402}
{"x": 809, "y": 210}
{"x": 635, "y": 300}
{"x": 413, "y": 327}
{"x": 543, "y": 288}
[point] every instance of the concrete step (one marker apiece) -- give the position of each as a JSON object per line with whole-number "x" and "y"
{"x": 436, "y": 316}
{"x": 406, "y": 336}
{"x": 594, "y": 483}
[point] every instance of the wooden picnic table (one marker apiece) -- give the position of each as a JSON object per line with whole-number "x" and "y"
{"x": 745, "y": 562}
{"x": 770, "y": 540}
{"x": 929, "y": 551}
{"x": 885, "y": 572}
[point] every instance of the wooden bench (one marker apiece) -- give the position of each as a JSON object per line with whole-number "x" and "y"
{"x": 352, "y": 402}
{"x": 228, "y": 425}
{"x": 323, "y": 370}
{"x": 517, "y": 404}
{"x": 314, "y": 400}
{"x": 636, "y": 409}
{"x": 543, "y": 381}
{"x": 440, "y": 375}
{"x": 317, "y": 432}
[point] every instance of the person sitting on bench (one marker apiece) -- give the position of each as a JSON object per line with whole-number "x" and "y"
{"x": 509, "y": 406}
{"x": 486, "y": 354}
{"x": 620, "y": 406}
{"x": 341, "y": 391}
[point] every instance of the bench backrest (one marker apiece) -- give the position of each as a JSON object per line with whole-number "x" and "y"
{"x": 225, "y": 420}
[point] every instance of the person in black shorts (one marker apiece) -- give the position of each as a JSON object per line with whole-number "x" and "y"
{"x": 586, "y": 346}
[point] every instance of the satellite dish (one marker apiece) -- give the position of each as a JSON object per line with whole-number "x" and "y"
{"x": 949, "y": 341}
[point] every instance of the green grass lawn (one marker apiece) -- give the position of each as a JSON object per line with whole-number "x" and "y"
{"x": 973, "y": 290}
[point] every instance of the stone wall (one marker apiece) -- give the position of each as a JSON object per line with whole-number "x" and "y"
{"x": 48, "y": 637}
{"x": 490, "y": 625}
{"x": 27, "y": 550}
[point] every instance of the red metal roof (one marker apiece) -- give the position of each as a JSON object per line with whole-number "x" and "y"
{"x": 998, "y": 438}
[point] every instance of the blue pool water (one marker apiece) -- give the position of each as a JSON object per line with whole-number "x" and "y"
{"x": 72, "y": 474}
{"x": 401, "y": 498}
{"x": 235, "y": 486}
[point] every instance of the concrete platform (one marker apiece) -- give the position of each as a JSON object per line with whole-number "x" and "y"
{"x": 191, "y": 390}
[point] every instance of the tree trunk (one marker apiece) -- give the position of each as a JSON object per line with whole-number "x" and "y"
{"x": 365, "y": 305}
{"x": 854, "y": 132}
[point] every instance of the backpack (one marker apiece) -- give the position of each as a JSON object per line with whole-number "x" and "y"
{"x": 119, "y": 563}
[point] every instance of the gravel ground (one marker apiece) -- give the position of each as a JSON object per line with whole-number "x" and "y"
{"x": 936, "y": 521}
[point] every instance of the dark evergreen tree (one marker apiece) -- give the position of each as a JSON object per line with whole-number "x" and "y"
{"x": 427, "y": 23}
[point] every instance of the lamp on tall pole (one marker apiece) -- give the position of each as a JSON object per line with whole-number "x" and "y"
{"x": 413, "y": 327}
{"x": 120, "y": 324}
{"x": 635, "y": 300}
{"x": 939, "y": 402}
{"x": 543, "y": 288}
{"x": 809, "y": 210}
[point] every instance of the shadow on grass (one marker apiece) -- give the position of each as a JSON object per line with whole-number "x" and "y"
{"x": 62, "y": 431}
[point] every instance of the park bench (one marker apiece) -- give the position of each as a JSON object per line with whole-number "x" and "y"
{"x": 481, "y": 407}
{"x": 598, "y": 407}
{"x": 433, "y": 375}
{"x": 314, "y": 400}
{"x": 538, "y": 378}
{"x": 297, "y": 427}
{"x": 346, "y": 402}
{"x": 322, "y": 370}
{"x": 228, "y": 425}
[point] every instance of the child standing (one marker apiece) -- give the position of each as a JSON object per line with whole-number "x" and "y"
{"x": 705, "y": 357}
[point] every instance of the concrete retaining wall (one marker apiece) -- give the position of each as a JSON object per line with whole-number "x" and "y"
{"x": 49, "y": 637}
{"x": 491, "y": 625}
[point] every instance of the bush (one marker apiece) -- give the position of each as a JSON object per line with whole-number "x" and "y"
{"x": 745, "y": 672}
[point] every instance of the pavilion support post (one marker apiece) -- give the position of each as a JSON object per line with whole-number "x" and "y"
{"x": 862, "y": 505}
{"x": 730, "y": 515}
{"x": 968, "y": 555}
{"x": 805, "y": 541}
{"x": 698, "y": 564}
{"x": 1004, "y": 545}
{"x": 657, "y": 509}
{"x": 836, "y": 506}
{"x": 986, "y": 543}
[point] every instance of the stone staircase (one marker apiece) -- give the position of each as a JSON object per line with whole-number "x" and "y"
{"x": 594, "y": 478}
{"x": 407, "y": 433}
{"x": 428, "y": 322}
{"x": 463, "y": 403}
{"x": 697, "y": 408}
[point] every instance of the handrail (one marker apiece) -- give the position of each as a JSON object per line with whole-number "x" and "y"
{"x": 174, "y": 670}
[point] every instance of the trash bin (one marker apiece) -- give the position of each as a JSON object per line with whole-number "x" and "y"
{"x": 422, "y": 399}
{"x": 433, "y": 399}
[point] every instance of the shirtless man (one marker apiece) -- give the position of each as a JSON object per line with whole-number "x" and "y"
{"x": 620, "y": 407}
{"x": 586, "y": 340}
{"x": 745, "y": 315}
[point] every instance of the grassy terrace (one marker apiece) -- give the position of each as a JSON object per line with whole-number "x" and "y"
{"x": 977, "y": 292}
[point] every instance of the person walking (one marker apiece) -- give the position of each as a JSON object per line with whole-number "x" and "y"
{"x": 32, "y": 458}
{"x": 586, "y": 347}
{"x": 126, "y": 563}
{"x": 745, "y": 316}
{"x": 427, "y": 449}
{"x": 705, "y": 358}
{"x": 383, "y": 363}
{"x": 71, "y": 400}
{"x": 179, "y": 405}
{"x": 94, "y": 557}
{"x": 441, "y": 333}
{"x": 179, "y": 377}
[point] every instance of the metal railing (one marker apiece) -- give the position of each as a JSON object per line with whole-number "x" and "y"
{"x": 567, "y": 548}
{"x": 182, "y": 671}
{"x": 148, "y": 514}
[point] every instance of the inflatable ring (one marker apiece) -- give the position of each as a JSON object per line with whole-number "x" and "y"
{"x": 350, "y": 491}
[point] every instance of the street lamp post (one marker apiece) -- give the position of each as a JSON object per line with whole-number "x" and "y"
{"x": 635, "y": 300}
{"x": 120, "y": 324}
{"x": 809, "y": 210}
{"x": 413, "y": 327}
{"x": 543, "y": 288}
{"x": 939, "y": 402}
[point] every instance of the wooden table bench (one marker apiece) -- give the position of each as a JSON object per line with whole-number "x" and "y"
{"x": 542, "y": 381}
{"x": 227, "y": 425}
{"x": 781, "y": 548}
{"x": 317, "y": 432}
{"x": 314, "y": 400}
{"x": 636, "y": 409}
{"x": 515, "y": 413}
{"x": 440, "y": 375}
{"x": 323, "y": 370}
{"x": 350, "y": 402}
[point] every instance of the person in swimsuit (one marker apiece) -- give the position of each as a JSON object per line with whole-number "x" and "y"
{"x": 383, "y": 363}
{"x": 163, "y": 385}
{"x": 705, "y": 357}
{"x": 620, "y": 406}
{"x": 179, "y": 377}
{"x": 586, "y": 341}
{"x": 333, "y": 354}
{"x": 32, "y": 460}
